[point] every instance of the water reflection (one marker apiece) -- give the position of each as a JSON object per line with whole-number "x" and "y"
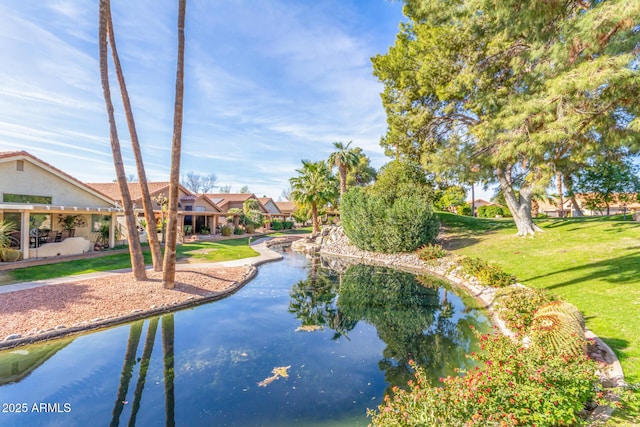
{"x": 412, "y": 315}
{"x": 204, "y": 366}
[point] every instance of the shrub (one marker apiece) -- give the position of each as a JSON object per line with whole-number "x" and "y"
{"x": 288, "y": 225}
{"x": 431, "y": 251}
{"x": 277, "y": 225}
{"x": 517, "y": 305}
{"x": 10, "y": 255}
{"x": 250, "y": 228}
{"x": 516, "y": 386}
{"x": 464, "y": 209}
{"x": 238, "y": 231}
{"x": 492, "y": 211}
{"x": 372, "y": 224}
{"x": 225, "y": 230}
{"x": 487, "y": 274}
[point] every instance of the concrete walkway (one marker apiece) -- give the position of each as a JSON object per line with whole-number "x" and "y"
{"x": 260, "y": 246}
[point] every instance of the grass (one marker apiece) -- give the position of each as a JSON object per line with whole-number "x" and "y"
{"x": 224, "y": 250}
{"x": 591, "y": 262}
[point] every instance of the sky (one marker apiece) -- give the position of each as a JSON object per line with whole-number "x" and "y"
{"x": 267, "y": 84}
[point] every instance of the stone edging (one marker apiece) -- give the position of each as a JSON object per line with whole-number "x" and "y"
{"x": 87, "y": 326}
{"x": 332, "y": 242}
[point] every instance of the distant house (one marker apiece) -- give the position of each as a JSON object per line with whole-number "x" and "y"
{"x": 286, "y": 209}
{"x": 227, "y": 201}
{"x": 616, "y": 206}
{"x": 36, "y": 196}
{"x": 195, "y": 212}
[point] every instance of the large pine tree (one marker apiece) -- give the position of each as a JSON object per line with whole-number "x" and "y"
{"x": 520, "y": 90}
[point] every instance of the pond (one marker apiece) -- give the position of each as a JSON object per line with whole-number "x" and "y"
{"x": 300, "y": 344}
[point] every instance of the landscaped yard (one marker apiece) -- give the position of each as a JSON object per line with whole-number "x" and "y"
{"x": 590, "y": 262}
{"x": 204, "y": 251}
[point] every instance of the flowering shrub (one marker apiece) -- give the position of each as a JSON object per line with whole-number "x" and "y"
{"x": 487, "y": 274}
{"x": 516, "y": 386}
{"x": 431, "y": 251}
{"x": 516, "y": 306}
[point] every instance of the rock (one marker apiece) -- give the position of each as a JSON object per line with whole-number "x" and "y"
{"x": 60, "y": 327}
{"x": 12, "y": 337}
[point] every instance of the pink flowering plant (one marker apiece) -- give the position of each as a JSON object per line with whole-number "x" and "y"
{"x": 513, "y": 386}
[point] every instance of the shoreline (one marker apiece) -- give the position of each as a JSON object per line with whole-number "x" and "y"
{"x": 51, "y": 309}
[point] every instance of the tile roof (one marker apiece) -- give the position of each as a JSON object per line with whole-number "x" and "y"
{"x": 112, "y": 189}
{"x": 286, "y": 206}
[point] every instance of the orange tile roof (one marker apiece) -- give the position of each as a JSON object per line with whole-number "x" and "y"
{"x": 112, "y": 189}
{"x": 286, "y": 206}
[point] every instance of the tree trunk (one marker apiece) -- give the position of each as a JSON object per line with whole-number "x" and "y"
{"x": 520, "y": 206}
{"x": 576, "y": 211}
{"x": 314, "y": 218}
{"x": 342, "y": 169}
{"x": 561, "y": 213}
{"x": 135, "y": 250}
{"x": 154, "y": 245}
{"x": 169, "y": 265}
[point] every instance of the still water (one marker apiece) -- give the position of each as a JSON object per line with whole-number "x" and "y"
{"x": 300, "y": 345}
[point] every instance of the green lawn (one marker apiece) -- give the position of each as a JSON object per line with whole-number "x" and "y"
{"x": 224, "y": 250}
{"x": 593, "y": 263}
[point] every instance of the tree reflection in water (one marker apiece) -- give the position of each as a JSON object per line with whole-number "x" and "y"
{"x": 413, "y": 316}
{"x": 130, "y": 361}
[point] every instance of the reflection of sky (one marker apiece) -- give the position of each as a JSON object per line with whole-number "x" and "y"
{"x": 222, "y": 351}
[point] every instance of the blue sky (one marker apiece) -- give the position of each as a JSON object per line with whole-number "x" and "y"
{"x": 267, "y": 83}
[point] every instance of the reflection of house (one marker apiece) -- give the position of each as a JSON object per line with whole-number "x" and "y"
{"x": 16, "y": 365}
{"x": 196, "y": 212}
{"x": 35, "y": 196}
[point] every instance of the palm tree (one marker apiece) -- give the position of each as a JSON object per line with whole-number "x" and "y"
{"x": 344, "y": 158}
{"x": 314, "y": 187}
{"x": 169, "y": 264}
{"x": 135, "y": 249}
{"x": 154, "y": 245}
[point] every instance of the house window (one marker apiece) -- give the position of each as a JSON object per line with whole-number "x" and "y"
{"x": 200, "y": 209}
{"x": 20, "y": 165}
{"x": 98, "y": 221}
{"x": 26, "y": 198}
{"x": 40, "y": 221}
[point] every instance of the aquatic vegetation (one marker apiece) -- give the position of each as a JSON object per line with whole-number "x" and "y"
{"x": 278, "y": 372}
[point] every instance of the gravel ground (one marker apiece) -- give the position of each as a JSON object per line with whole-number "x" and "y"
{"x": 74, "y": 306}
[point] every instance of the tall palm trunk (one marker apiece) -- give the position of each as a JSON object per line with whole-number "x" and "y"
{"x": 154, "y": 245}
{"x": 169, "y": 265}
{"x": 135, "y": 250}
{"x": 314, "y": 218}
{"x": 342, "y": 170}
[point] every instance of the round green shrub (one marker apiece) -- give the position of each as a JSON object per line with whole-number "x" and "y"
{"x": 372, "y": 224}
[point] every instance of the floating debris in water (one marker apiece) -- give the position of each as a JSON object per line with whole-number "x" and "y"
{"x": 309, "y": 328}
{"x": 278, "y": 372}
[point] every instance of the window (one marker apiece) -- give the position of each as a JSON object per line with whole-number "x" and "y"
{"x": 26, "y": 198}
{"x": 98, "y": 221}
{"x": 20, "y": 165}
{"x": 40, "y": 221}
